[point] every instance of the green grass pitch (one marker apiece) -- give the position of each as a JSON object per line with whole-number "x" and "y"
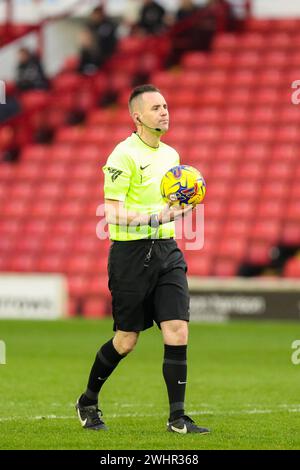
{"x": 241, "y": 384}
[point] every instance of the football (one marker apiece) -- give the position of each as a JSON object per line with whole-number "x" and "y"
{"x": 183, "y": 185}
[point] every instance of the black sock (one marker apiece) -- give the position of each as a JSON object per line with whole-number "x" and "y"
{"x": 107, "y": 359}
{"x": 175, "y": 375}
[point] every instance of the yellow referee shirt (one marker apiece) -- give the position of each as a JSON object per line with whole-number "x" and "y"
{"x": 133, "y": 174}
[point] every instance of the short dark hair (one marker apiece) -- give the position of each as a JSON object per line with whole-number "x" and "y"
{"x": 139, "y": 90}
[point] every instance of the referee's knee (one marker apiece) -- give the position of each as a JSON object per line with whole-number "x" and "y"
{"x": 124, "y": 342}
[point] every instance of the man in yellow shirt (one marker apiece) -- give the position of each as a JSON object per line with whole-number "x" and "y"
{"x": 147, "y": 270}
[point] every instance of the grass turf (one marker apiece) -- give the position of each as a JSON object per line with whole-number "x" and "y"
{"x": 241, "y": 384}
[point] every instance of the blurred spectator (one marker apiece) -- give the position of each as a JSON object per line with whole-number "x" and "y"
{"x": 152, "y": 17}
{"x": 30, "y": 74}
{"x": 187, "y": 8}
{"x": 196, "y": 27}
{"x": 223, "y": 13}
{"x": 104, "y": 31}
{"x": 9, "y": 109}
{"x": 90, "y": 57}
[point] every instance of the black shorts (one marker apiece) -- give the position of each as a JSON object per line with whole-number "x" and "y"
{"x": 141, "y": 295}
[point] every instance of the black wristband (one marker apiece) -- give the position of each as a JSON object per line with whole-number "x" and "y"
{"x": 154, "y": 221}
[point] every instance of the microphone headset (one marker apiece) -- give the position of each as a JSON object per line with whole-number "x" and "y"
{"x": 156, "y": 129}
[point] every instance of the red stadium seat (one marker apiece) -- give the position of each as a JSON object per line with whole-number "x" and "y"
{"x": 85, "y": 171}
{"x": 291, "y": 234}
{"x": 29, "y": 171}
{"x": 277, "y": 58}
{"x": 212, "y": 228}
{"x": 243, "y": 78}
{"x": 36, "y": 153}
{"x": 271, "y": 78}
{"x": 226, "y": 42}
{"x": 253, "y": 41}
{"x": 35, "y": 99}
{"x": 73, "y": 306}
{"x": 286, "y": 152}
{"x": 71, "y": 208}
{"x": 7, "y": 245}
{"x": 279, "y": 171}
{"x": 268, "y": 209}
{"x": 194, "y": 61}
{"x": 224, "y": 171}
{"x": 234, "y": 133}
{"x": 52, "y": 263}
{"x": 289, "y": 115}
{"x": 277, "y": 191}
{"x": 292, "y": 268}
{"x": 250, "y": 171}
{"x": 259, "y": 253}
{"x": 77, "y": 285}
{"x": 185, "y": 97}
{"x": 23, "y": 263}
{"x": 221, "y": 60}
{"x": 200, "y": 266}
{"x": 292, "y": 211}
{"x": 218, "y": 190}
{"x": 267, "y": 230}
{"x": 88, "y": 244}
{"x": 246, "y": 189}
{"x": 190, "y": 79}
{"x": 77, "y": 190}
{"x": 49, "y": 190}
{"x": 236, "y": 228}
{"x": 294, "y": 189}
{"x": 56, "y": 244}
{"x": 288, "y": 134}
{"x": 208, "y": 115}
{"x": 258, "y": 152}
{"x": 238, "y": 115}
{"x": 96, "y": 307}
{"x": 68, "y": 81}
{"x": 4, "y": 262}
{"x": 263, "y": 114}
{"x": 80, "y": 264}
{"x": 232, "y": 248}
{"x": 71, "y": 135}
{"x": 261, "y": 133}
{"x": 21, "y": 191}
{"x": 225, "y": 267}
{"x": 242, "y": 209}
{"x": 15, "y": 208}
{"x": 131, "y": 45}
{"x": 240, "y": 96}
{"x": 36, "y": 227}
{"x": 206, "y": 134}
{"x": 212, "y": 97}
{"x": 98, "y": 285}
{"x": 229, "y": 152}
{"x": 251, "y": 59}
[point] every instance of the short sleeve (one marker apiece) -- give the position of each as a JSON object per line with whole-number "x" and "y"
{"x": 117, "y": 175}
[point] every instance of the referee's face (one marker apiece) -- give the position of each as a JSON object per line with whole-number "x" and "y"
{"x": 155, "y": 111}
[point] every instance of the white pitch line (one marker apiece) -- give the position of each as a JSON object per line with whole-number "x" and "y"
{"x": 293, "y": 409}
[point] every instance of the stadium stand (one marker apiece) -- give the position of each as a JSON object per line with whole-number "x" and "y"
{"x": 231, "y": 117}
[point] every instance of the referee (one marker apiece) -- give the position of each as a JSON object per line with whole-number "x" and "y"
{"x": 147, "y": 271}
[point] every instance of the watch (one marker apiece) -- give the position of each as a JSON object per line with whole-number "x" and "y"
{"x": 154, "y": 221}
